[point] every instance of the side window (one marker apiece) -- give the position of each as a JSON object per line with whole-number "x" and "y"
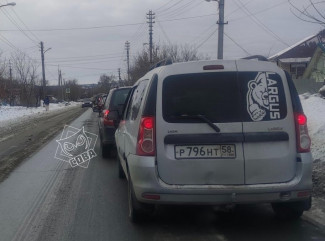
{"x": 107, "y": 100}
{"x": 126, "y": 111}
{"x": 136, "y": 99}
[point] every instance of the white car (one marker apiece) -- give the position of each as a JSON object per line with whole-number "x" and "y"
{"x": 215, "y": 132}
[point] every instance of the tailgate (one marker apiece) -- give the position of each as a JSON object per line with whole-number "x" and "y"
{"x": 189, "y": 151}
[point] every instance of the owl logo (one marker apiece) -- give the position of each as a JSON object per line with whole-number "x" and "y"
{"x": 76, "y": 146}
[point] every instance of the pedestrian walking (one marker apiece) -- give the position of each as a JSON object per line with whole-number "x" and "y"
{"x": 47, "y": 103}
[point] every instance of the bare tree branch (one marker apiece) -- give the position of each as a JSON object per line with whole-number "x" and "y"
{"x": 310, "y": 13}
{"x": 311, "y": 2}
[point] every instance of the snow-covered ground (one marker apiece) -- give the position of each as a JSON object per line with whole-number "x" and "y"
{"x": 12, "y": 114}
{"x": 314, "y": 108}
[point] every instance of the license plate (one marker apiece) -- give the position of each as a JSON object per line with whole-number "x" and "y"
{"x": 205, "y": 151}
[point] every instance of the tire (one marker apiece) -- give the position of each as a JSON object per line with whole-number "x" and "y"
{"x": 138, "y": 212}
{"x": 121, "y": 173}
{"x": 290, "y": 210}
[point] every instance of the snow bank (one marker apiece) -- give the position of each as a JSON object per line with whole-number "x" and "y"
{"x": 314, "y": 108}
{"x": 16, "y": 113}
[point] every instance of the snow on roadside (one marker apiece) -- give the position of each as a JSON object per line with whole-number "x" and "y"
{"x": 13, "y": 114}
{"x": 314, "y": 108}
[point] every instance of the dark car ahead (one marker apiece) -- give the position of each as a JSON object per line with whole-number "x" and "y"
{"x": 87, "y": 103}
{"x": 114, "y": 101}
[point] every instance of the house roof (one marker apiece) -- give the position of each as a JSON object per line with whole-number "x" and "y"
{"x": 291, "y": 47}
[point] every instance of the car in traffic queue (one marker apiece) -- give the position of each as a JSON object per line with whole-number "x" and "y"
{"x": 114, "y": 101}
{"x": 86, "y": 103}
{"x": 214, "y": 133}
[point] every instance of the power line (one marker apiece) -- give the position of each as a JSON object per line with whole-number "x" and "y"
{"x": 163, "y": 31}
{"x": 82, "y": 60}
{"x": 204, "y": 41}
{"x": 237, "y": 44}
{"x": 164, "y": 5}
{"x": 201, "y": 35}
{"x": 164, "y": 10}
{"x": 259, "y": 12}
{"x": 13, "y": 10}
{"x": 6, "y": 41}
{"x": 79, "y": 67}
{"x": 75, "y": 28}
{"x": 105, "y": 26}
{"x": 176, "y": 10}
{"x": 186, "y": 10}
{"x": 5, "y": 12}
{"x": 258, "y": 22}
{"x": 191, "y": 17}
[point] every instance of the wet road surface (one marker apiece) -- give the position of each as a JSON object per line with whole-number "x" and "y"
{"x": 46, "y": 199}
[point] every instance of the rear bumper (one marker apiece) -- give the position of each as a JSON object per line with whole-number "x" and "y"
{"x": 145, "y": 181}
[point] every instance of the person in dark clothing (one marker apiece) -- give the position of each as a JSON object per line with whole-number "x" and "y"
{"x": 47, "y": 103}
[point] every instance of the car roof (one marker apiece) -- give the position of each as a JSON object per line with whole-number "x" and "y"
{"x": 197, "y": 67}
{"x": 120, "y": 88}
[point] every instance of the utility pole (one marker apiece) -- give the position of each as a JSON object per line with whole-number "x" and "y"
{"x": 10, "y": 71}
{"x": 43, "y": 71}
{"x": 221, "y": 24}
{"x": 60, "y": 84}
{"x": 119, "y": 74}
{"x": 11, "y": 84}
{"x": 127, "y": 47}
{"x": 43, "y": 68}
{"x": 150, "y": 18}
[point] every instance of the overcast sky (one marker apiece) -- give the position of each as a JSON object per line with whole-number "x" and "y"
{"x": 254, "y": 26}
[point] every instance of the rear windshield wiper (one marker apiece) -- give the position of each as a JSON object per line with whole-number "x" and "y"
{"x": 200, "y": 117}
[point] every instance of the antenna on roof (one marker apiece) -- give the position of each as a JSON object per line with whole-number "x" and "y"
{"x": 163, "y": 62}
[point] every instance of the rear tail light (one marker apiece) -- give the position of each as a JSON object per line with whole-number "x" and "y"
{"x": 107, "y": 122}
{"x": 303, "y": 139}
{"x": 146, "y": 137}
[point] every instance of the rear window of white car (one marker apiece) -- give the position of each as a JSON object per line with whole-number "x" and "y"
{"x": 213, "y": 95}
{"x": 224, "y": 97}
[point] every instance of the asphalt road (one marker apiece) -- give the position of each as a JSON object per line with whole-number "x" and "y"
{"x": 46, "y": 199}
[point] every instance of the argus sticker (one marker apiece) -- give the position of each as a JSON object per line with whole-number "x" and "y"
{"x": 263, "y": 97}
{"x": 76, "y": 146}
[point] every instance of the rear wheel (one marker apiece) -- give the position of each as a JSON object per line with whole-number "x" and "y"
{"x": 290, "y": 210}
{"x": 137, "y": 211}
